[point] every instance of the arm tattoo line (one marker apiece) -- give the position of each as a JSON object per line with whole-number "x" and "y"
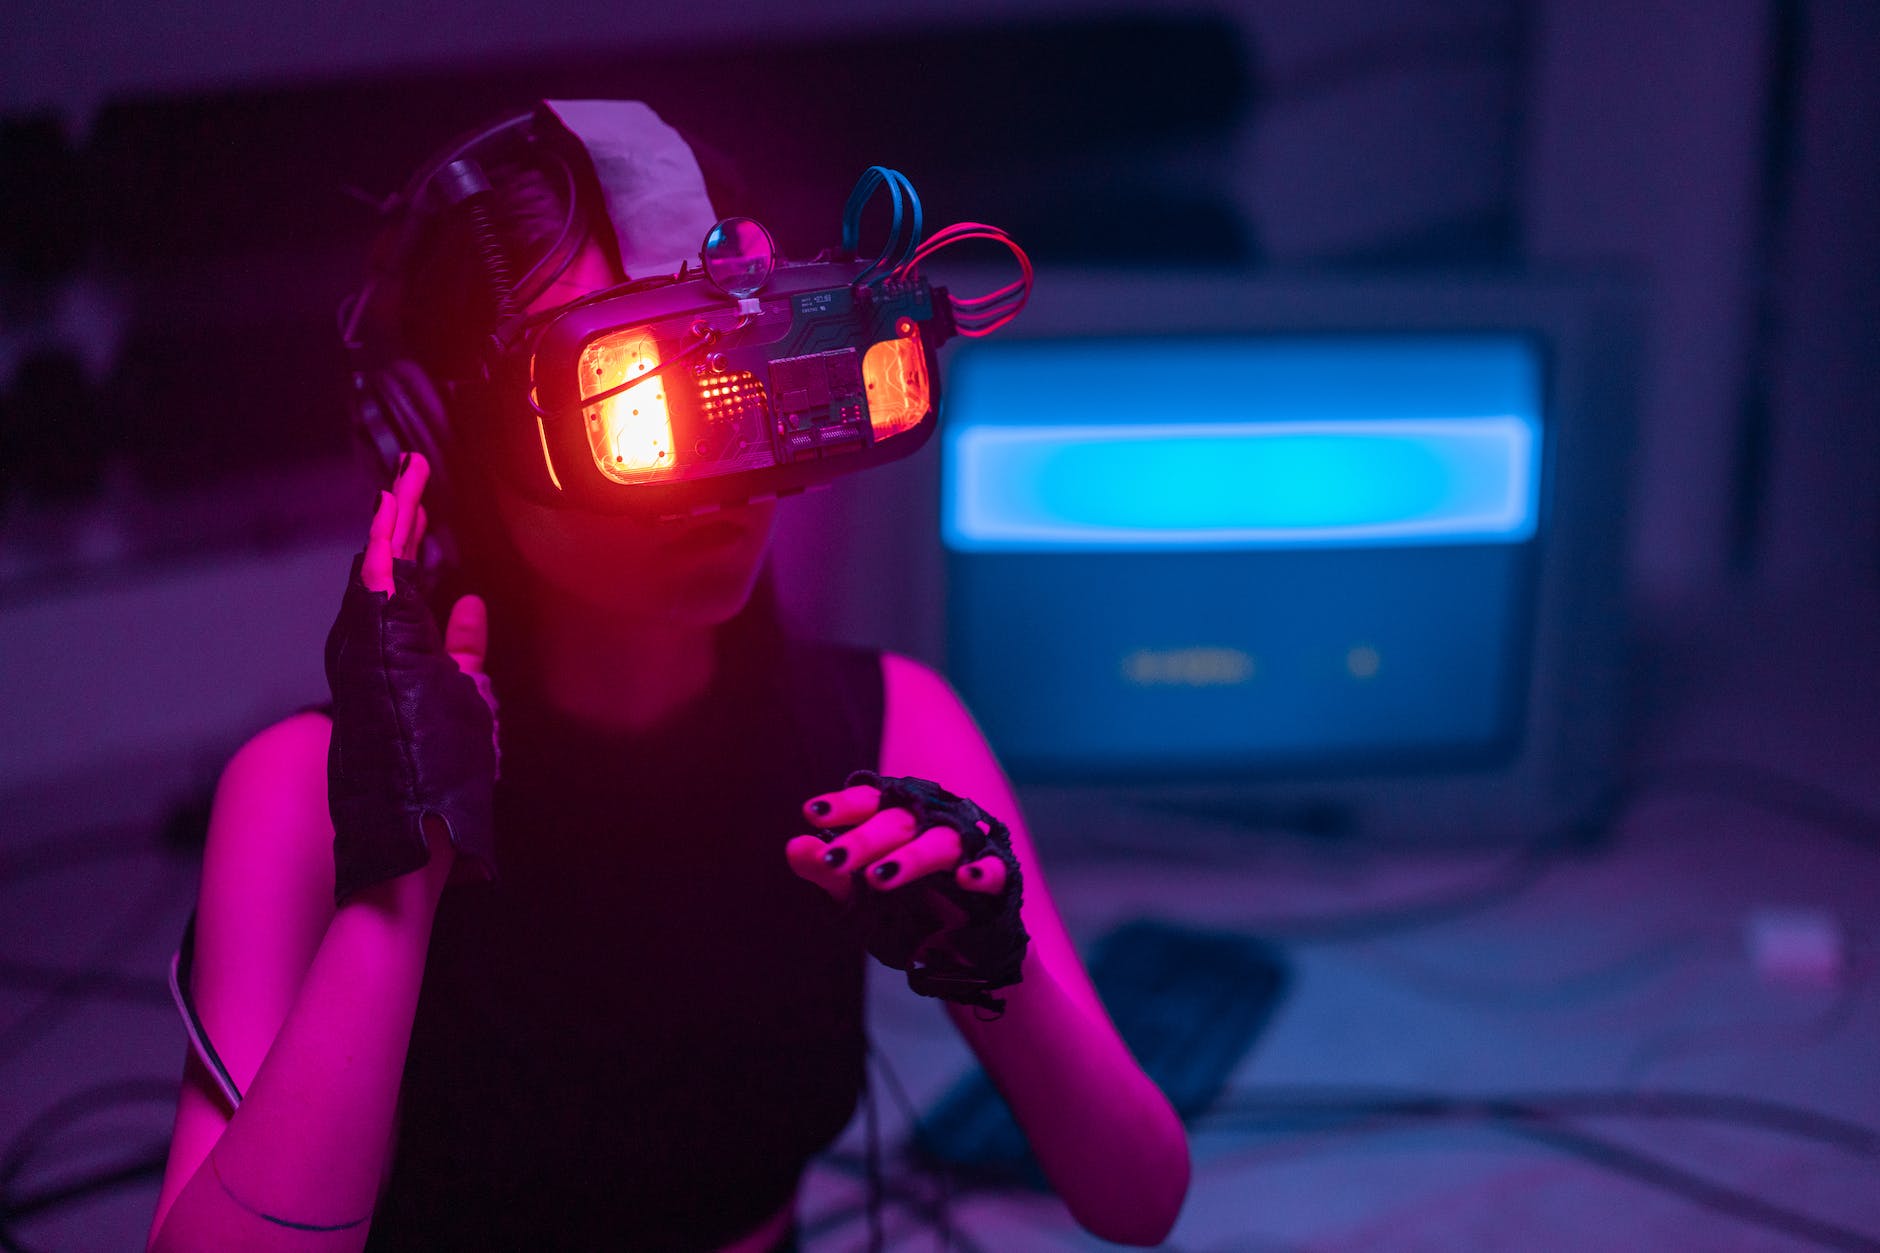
{"x": 267, "y": 1217}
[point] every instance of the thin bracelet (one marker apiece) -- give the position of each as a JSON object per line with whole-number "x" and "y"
{"x": 267, "y": 1217}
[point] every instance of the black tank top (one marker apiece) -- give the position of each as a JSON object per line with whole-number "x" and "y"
{"x": 638, "y": 1036}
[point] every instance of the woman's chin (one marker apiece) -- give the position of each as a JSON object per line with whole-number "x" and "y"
{"x": 702, "y": 596}
{"x": 697, "y": 573}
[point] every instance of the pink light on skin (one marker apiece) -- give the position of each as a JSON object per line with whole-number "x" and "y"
{"x": 300, "y": 997}
{"x": 1107, "y": 1138}
{"x": 297, "y": 995}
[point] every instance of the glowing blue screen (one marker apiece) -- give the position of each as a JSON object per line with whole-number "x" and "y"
{"x": 1272, "y": 442}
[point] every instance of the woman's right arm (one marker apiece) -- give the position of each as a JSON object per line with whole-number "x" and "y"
{"x": 309, "y": 1006}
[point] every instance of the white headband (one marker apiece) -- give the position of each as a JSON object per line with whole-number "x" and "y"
{"x": 650, "y": 182}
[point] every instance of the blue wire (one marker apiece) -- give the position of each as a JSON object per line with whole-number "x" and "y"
{"x": 865, "y": 187}
{"x": 852, "y": 211}
{"x": 897, "y": 183}
{"x": 914, "y": 236}
{"x": 876, "y": 176}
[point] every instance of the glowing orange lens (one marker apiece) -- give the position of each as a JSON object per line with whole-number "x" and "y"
{"x": 895, "y": 371}
{"x": 629, "y": 434}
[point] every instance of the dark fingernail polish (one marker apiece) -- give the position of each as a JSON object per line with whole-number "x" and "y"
{"x": 836, "y": 856}
{"x": 975, "y": 872}
{"x": 819, "y": 808}
{"x": 887, "y": 870}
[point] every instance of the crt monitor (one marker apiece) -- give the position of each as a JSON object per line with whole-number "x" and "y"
{"x": 1334, "y": 554}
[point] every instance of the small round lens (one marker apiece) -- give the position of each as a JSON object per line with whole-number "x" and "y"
{"x": 738, "y": 256}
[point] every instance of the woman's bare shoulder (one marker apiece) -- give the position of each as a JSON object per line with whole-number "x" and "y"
{"x": 267, "y": 869}
{"x": 274, "y": 785}
{"x": 265, "y": 902}
{"x": 920, "y": 704}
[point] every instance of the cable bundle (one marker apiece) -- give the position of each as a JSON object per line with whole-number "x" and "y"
{"x": 977, "y": 316}
{"x": 900, "y": 257}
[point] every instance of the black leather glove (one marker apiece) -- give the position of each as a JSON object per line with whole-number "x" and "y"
{"x": 411, "y": 736}
{"x": 954, "y": 944}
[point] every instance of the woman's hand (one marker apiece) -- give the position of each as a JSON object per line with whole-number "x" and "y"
{"x": 397, "y": 530}
{"x": 882, "y": 848}
{"x": 943, "y": 887}
{"x": 413, "y": 759}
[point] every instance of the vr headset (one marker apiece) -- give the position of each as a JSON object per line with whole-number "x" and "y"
{"x": 715, "y": 373}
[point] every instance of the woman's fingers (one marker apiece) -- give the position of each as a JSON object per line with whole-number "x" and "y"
{"x": 986, "y": 875}
{"x": 410, "y": 552}
{"x": 935, "y": 849}
{"x": 407, "y": 489}
{"x": 842, "y": 809}
{"x": 467, "y": 634}
{"x": 397, "y": 525}
{"x": 897, "y": 860}
{"x": 882, "y": 847}
{"x": 376, "y": 570}
{"x": 805, "y": 855}
{"x": 869, "y": 842}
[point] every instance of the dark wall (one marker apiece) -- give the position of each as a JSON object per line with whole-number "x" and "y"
{"x": 176, "y": 227}
{"x": 234, "y": 221}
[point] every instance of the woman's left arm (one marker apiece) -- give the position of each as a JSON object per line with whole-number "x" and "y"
{"x": 1105, "y": 1135}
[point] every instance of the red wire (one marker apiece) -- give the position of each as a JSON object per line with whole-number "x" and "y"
{"x": 980, "y": 332}
{"x": 980, "y": 302}
{"x": 956, "y": 233}
{"x": 952, "y": 236}
{"x": 977, "y": 316}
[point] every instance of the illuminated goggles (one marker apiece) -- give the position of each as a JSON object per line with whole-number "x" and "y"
{"x": 750, "y": 379}
{"x": 726, "y": 374}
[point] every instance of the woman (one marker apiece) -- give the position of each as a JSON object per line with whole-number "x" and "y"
{"x": 640, "y": 1033}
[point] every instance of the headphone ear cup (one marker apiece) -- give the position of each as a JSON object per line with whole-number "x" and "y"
{"x": 375, "y": 423}
{"x": 421, "y": 423}
{"x": 397, "y": 410}
{"x": 418, "y": 422}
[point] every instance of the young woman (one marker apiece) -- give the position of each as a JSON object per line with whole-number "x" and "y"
{"x": 638, "y": 1035}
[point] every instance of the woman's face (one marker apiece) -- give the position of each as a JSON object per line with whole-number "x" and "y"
{"x": 695, "y": 572}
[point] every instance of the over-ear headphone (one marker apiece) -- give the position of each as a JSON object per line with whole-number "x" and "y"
{"x": 396, "y": 409}
{"x": 698, "y": 377}
{"x": 395, "y": 405}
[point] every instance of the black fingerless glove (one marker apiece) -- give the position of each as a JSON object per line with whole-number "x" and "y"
{"x": 411, "y": 736}
{"x": 954, "y": 944}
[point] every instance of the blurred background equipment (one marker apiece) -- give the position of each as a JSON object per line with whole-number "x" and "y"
{"x": 1342, "y": 555}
